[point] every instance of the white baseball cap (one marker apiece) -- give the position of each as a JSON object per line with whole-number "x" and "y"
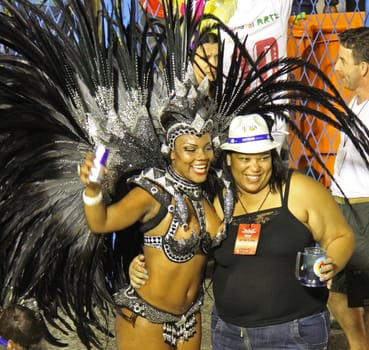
{"x": 249, "y": 134}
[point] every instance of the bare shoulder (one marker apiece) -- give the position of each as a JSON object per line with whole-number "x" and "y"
{"x": 308, "y": 198}
{"x": 306, "y": 187}
{"x": 140, "y": 192}
{"x": 138, "y": 197}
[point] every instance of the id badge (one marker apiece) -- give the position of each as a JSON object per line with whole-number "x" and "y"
{"x": 247, "y": 239}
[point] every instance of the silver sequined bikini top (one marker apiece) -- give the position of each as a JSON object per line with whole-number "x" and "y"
{"x": 180, "y": 250}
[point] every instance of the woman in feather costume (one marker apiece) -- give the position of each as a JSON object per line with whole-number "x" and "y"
{"x": 177, "y": 220}
{"x": 64, "y": 93}
{"x": 179, "y": 227}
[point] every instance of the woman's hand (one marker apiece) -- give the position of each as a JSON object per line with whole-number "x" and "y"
{"x": 84, "y": 171}
{"x": 328, "y": 270}
{"x": 137, "y": 272}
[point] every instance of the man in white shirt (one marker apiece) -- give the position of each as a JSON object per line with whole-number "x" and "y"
{"x": 349, "y": 295}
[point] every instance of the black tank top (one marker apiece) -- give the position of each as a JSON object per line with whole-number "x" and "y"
{"x": 261, "y": 289}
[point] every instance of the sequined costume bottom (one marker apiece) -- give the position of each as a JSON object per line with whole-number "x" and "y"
{"x": 175, "y": 327}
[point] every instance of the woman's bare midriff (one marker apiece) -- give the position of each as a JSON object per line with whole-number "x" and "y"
{"x": 171, "y": 287}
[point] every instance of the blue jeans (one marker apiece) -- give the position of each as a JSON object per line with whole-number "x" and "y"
{"x": 308, "y": 333}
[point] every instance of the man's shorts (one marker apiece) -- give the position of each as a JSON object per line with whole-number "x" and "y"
{"x": 357, "y": 216}
{"x": 353, "y": 280}
{"x": 355, "y": 284}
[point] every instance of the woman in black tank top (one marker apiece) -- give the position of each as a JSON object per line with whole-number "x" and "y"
{"x": 259, "y": 303}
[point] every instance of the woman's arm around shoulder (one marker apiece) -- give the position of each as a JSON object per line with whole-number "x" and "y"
{"x": 314, "y": 206}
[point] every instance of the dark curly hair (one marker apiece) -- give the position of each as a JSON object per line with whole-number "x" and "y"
{"x": 21, "y": 325}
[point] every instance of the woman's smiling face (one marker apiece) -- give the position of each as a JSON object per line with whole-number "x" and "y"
{"x": 251, "y": 172}
{"x": 192, "y": 157}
